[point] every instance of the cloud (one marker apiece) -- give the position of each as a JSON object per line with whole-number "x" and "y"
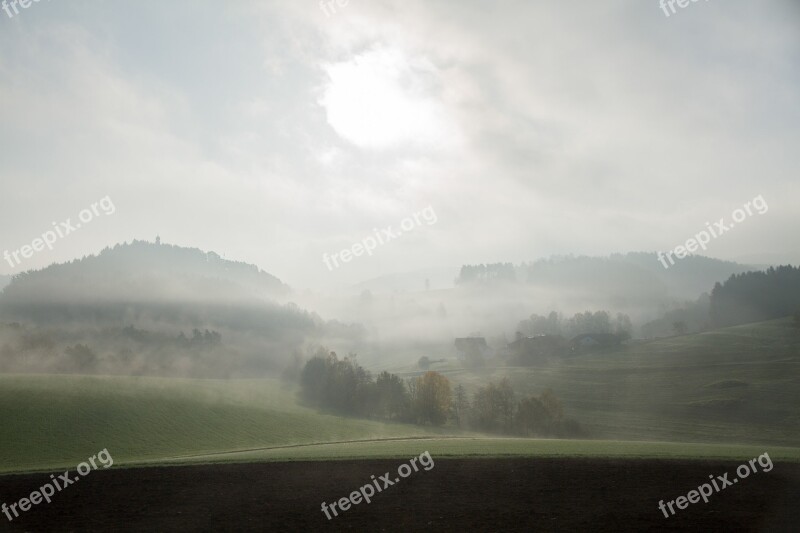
{"x": 272, "y": 134}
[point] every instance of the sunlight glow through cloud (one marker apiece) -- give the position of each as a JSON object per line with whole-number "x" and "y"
{"x": 380, "y": 99}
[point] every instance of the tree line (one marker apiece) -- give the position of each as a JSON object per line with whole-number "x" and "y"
{"x": 579, "y": 324}
{"x": 486, "y": 273}
{"x": 342, "y": 386}
{"x": 495, "y": 409}
{"x": 756, "y": 296}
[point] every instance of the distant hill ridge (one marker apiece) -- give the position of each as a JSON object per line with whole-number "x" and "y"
{"x": 640, "y": 272}
{"x": 144, "y": 271}
{"x": 154, "y": 309}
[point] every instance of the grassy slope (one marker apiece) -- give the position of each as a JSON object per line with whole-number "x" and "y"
{"x": 50, "y": 421}
{"x": 737, "y": 385}
{"x": 672, "y": 389}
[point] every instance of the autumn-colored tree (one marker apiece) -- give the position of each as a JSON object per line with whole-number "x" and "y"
{"x": 432, "y": 398}
{"x": 552, "y": 404}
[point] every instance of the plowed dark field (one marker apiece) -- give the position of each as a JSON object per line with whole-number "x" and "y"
{"x": 456, "y": 495}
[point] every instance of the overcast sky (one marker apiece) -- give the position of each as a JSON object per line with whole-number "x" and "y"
{"x": 272, "y": 132}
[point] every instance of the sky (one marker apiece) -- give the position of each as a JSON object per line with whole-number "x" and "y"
{"x": 278, "y": 132}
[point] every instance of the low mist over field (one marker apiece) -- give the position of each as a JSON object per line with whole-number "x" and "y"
{"x": 289, "y": 249}
{"x": 185, "y": 307}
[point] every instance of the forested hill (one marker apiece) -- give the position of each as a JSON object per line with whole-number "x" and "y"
{"x": 640, "y": 275}
{"x": 143, "y": 271}
{"x": 141, "y": 281}
{"x": 756, "y": 296}
{"x": 154, "y": 309}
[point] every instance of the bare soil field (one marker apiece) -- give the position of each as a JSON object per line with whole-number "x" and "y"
{"x": 521, "y": 494}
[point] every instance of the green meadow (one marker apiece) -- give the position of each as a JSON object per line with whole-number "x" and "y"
{"x": 733, "y": 393}
{"x": 490, "y": 447}
{"x": 735, "y": 385}
{"x": 50, "y": 421}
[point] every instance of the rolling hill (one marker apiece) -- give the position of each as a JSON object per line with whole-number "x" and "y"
{"x": 155, "y": 309}
{"x": 727, "y": 393}
{"x": 54, "y": 421}
{"x": 738, "y": 384}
